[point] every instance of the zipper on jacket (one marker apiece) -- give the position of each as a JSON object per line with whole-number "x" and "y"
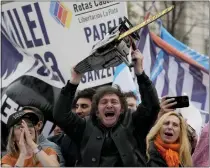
{"x": 107, "y": 134}
{"x": 76, "y": 163}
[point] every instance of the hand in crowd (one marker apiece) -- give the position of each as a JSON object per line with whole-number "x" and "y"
{"x": 166, "y": 105}
{"x": 28, "y": 137}
{"x": 22, "y": 143}
{"x": 75, "y": 77}
{"x": 138, "y": 61}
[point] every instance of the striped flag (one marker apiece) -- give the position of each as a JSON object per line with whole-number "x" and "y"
{"x": 172, "y": 72}
{"x": 200, "y": 58}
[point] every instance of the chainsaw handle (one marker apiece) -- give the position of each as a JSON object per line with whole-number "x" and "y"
{"x": 133, "y": 45}
{"x": 133, "y": 63}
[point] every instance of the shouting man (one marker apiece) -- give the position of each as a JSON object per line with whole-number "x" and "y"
{"x": 108, "y": 136}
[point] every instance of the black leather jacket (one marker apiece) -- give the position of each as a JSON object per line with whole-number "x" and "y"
{"x": 69, "y": 149}
{"x": 93, "y": 138}
{"x": 156, "y": 160}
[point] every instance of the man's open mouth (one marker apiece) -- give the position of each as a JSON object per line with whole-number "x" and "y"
{"x": 80, "y": 114}
{"x": 109, "y": 114}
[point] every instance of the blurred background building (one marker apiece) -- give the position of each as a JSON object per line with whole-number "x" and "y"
{"x": 188, "y": 22}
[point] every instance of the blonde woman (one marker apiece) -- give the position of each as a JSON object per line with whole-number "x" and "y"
{"x": 167, "y": 142}
{"x": 22, "y": 148}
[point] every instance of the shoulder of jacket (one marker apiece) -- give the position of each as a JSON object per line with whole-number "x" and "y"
{"x": 152, "y": 149}
{"x": 155, "y": 155}
{"x": 49, "y": 144}
{"x": 89, "y": 121}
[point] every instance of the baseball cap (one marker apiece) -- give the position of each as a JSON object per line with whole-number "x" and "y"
{"x": 17, "y": 116}
{"x": 34, "y": 110}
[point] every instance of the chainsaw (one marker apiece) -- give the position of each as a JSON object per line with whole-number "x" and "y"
{"x": 114, "y": 48}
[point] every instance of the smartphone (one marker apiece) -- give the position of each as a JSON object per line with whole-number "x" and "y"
{"x": 182, "y": 101}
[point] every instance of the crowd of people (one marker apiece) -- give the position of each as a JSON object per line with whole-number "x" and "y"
{"x": 106, "y": 128}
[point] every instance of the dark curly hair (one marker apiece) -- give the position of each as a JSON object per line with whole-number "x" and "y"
{"x": 107, "y": 90}
{"x": 86, "y": 93}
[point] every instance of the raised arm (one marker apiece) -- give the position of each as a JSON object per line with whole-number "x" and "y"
{"x": 68, "y": 121}
{"x": 147, "y": 111}
{"x": 149, "y": 97}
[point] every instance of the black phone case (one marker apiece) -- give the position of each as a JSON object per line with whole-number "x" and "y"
{"x": 182, "y": 101}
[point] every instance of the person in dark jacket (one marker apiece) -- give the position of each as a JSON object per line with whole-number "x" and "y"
{"x": 82, "y": 104}
{"x": 168, "y": 144}
{"x": 107, "y": 137}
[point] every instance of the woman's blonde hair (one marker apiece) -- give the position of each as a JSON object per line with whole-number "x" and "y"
{"x": 12, "y": 147}
{"x": 185, "y": 148}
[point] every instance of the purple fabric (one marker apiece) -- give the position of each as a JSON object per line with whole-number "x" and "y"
{"x": 201, "y": 153}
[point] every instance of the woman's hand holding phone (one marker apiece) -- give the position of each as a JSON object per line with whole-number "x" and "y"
{"x": 166, "y": 105}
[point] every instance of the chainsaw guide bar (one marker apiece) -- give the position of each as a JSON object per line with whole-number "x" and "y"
{"x": 114, "y": 48}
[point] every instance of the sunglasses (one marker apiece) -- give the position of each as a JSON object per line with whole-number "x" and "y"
{"x": 18, "y": 126}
